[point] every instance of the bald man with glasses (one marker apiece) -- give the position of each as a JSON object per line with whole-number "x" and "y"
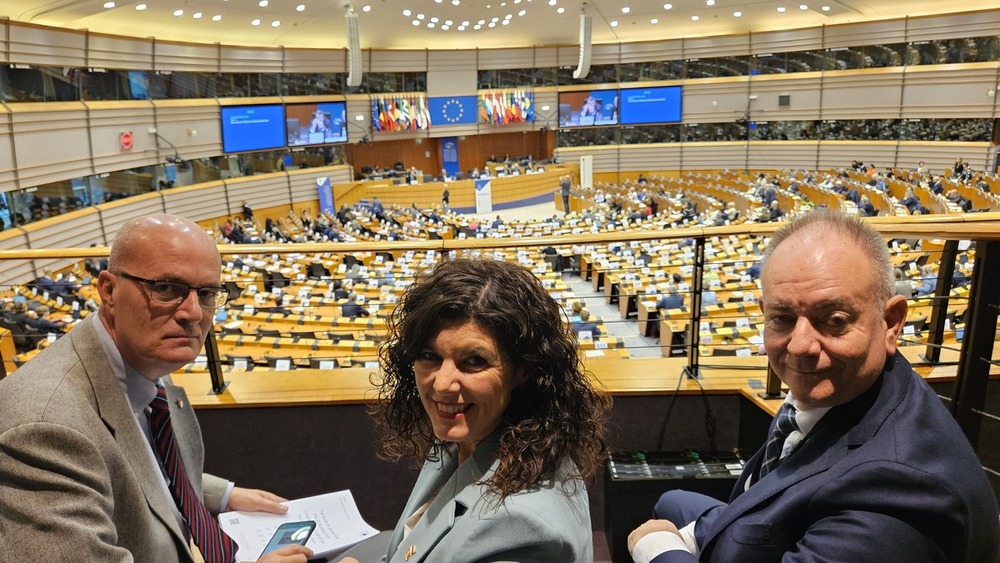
{"x": 101, "y": 457}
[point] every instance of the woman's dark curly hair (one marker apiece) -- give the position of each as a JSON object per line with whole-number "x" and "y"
{"x": 555, "y": 414}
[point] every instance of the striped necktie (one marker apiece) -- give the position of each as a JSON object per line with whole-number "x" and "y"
{"x": 214, "y": 544}
{"x": 784, "y": 424}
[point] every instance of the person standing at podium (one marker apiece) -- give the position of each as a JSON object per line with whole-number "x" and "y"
{"x": 101, "y": 457}
{"x": 863, "y": 462}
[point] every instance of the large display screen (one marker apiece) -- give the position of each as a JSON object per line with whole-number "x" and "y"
{"x": 315, "y": 124}
{"x": 581, "y": 109}
{"x": 253, "y": 128}
{"x": 651, "y": 105}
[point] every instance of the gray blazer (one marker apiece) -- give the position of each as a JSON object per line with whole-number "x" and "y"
{"x": 461, "y": 525}
{"x": 76, "y": 481}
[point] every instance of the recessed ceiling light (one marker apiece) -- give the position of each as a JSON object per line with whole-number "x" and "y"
{"x": 445, "y": 27}
{"x": 455, "y": 2}
{"x": 359, "y": 117}
{"x": 439, "y": 1}
{"x": 654, "y": 21}
{"x": 276, "y": 23}
{"x": 262, "y": 3}
{"x": 626, "y": 9}
{"x": 491, "y": 25}
{"x": 522, "y": 12}
{"x": 217, "y": 18}
{"x": 546, "y": 108}
{"x": 508, "y": 16}
{"x": 695, "y": 18}
{"x": 420, "y": 16}
{"x": 465, "y": 23}
{"x": 481, "y": 22}
{"x": 255, "y": 23}
{"x": 737, "y": 14}
{"x": 430, "y": 25}
{"x": 300, "y": 8}
{"x": 460, "y": 28}
{"x": 552, "y": 2}
{"x": 803, "y": 7}
{"x": 560, "y": 10}
{"x": 415, "y": 22}
{"x": 495, "y": 19}
{"x": 825, "y": 8}
{"x": 477, "y": 27}
{"x": 197, "y": 15}
{"x": 781, "y": 9}
{"x": 407, "y": 13}
{"x": 434, "y": 19}
{"x": 109, "y": 5}
{"x": 505, "y": 22}
{"x": 140, "y": 7}
{"x": 178, "y": 13}
{"x": 710, "y": 2}
{"x": 614, "y": 23}
{"x": 668, "y": 6}
{"x": 448, "y": 22}
{"x": 366, "y": 8}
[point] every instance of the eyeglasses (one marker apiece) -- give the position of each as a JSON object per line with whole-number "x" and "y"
{"x": 174, "y": 293}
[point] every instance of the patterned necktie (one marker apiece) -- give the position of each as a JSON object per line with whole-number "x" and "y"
{"x": 784, "y": 424}
{"x": 214, "y": 544}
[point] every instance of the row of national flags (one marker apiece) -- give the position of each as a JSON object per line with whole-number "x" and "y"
{"x": 503, "y": 107}
{"x": 399, "y": 112}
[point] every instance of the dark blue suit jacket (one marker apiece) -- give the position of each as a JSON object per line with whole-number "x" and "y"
{"x": 886, "y": 477}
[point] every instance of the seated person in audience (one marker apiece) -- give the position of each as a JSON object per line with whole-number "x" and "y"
{"x": 776, "y": 212}
{"x": 352, "y": 309}
{"x": 574, "y": 311}
{"x": 754, "y": 270}
{"x": 846, "y": 477}
{"x": 95, "y": 266}
{"x": 928, "y": 280}
{"x": 853, "y": 195}
{"x": 866, "y": 207}
{"x": 38, "y": 320}
{"x": 902, "y": 286}
{"x": 344, "y": 290}
{"x": 353, "y": 271}
{"x": 672, "y": 300}
{"x": 87, "y": 422}
{"x": 586, "y": 325}
{"x": 910, "y": 201}
{"x": 936, "y": 185}
{"x": 493, "y": 401}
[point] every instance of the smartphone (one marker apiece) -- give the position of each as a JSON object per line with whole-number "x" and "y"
{"x": 290, "y": 533}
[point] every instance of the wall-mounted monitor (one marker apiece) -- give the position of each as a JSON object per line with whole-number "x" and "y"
{"x": 253, "y": 128}
{"x": 316, "y": 124}
{"x": 583, "y": 109}
{"x": 661, "y": 104}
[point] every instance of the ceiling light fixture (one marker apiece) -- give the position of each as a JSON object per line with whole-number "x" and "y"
{"x": 654, "y": 21}
{"x": 109, "y": 5}
{"x": 614, "y": 23}
{"x": 197, "y": 15}
{"x": 217, "y": 18}
{"x": 668, "y": 6}
{"x": 626, "y": 9}
{"x": 300, "y": 8}
{"x": 140, "y": 7}
{"x": 276, "y": 23}
{"x": 263, "y": 3}
{"x": 737, "y": 14}
{"x": 178, "y": 13}
{"x": 710, "y": 2}
{"x": 366, "y": 8}
{"x": 522, "y": 12}
{"x": 695, "y": 18}
{"x": 781, "y": 9}
{"x": 825, "y": 8}
{"x": 255, "y": 23}
{"x": 803, "y": 7}
{"x": 407, "y": 13}
{"x": 560, "y": 10}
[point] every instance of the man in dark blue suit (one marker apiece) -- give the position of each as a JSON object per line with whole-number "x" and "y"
{"x": 872, "y": 467}
{"x": 672, "y": 300}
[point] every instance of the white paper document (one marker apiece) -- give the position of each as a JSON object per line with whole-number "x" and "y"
{"x": 338, "y": 525}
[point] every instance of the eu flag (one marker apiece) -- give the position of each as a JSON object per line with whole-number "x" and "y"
{"x": 453, "y": 110}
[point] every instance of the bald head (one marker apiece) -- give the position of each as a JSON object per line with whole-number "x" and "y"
{"x": 140, "y": 238}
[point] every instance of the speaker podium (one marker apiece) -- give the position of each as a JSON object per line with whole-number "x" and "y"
{"x": 634, "y": 481}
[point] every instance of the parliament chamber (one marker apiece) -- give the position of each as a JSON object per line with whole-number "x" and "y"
{"x": 683, "y": 208}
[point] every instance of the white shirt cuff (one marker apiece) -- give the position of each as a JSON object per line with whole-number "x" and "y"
{"x": 225, "y": 497}
{"x": 654, "y": 544}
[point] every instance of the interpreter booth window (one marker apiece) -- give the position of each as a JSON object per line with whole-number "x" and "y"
{"x": 101, "y": 84}
{"x": 389, "y": 82}
{"x": 599, "y": 74}
{"x": 790, "y": 62}
{"x": 24, "y": 83}
{"x": 315, "y": 84}
{"x": 242, "y": 85}
{"x": 591, "y": 136}
{"x": 786, "y": 131}
{"x": 175, "y": 85}
{"x": 45, "y": 201}
{"x": 861, "y": 130}
{"x": 651, "y": 71}
{"x": 713, "y": 132}
{"x": 651, "y": 134}
{"x": 717, "y": 66}
{"x": 968, "y": 130}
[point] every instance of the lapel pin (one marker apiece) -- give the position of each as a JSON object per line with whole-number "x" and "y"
{"x": 179, "y": 403}
{"x": 410, "y": 552}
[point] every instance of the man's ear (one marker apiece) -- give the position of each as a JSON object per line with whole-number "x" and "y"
{"x": 895, "y": 317}
{"x": 105, "y": 288}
